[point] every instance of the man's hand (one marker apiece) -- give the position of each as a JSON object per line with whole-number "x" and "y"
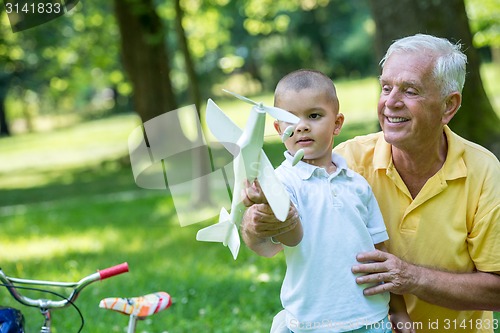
{"x": 398, "y": 276}
{"x": 446, "y": 289}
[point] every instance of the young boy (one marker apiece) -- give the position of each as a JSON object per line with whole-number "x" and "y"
{"x": 339, "y": 217}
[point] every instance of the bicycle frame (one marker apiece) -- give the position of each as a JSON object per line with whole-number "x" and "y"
{"x": 46, "y": 305}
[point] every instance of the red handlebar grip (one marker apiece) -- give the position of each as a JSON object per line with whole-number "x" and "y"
{"x": 112, "y": 271}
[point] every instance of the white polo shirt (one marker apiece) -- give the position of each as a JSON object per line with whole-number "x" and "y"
{"x": 340, "y": 218}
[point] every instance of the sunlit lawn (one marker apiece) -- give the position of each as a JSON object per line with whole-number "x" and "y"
{"x": 69, "y": 206}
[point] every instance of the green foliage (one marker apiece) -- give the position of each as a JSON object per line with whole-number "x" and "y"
{"x": 490, "y": 73}
{"x": 68, "y": 64}
{"x": 484, "y": 16}
{"x": 281, "y": 36}
{"x": 71, "y": 65}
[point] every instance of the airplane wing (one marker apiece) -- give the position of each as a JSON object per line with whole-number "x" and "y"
{"x": 275, "y": 192}
{"x": 222, "y": 127}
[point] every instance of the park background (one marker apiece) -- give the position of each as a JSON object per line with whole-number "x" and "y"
{"x": 74, "y": 88}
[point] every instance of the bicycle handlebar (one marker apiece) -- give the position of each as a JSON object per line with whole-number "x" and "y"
{"x": 112, "y": 271}
{"x": 9, "y": 283}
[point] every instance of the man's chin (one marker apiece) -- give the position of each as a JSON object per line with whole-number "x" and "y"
{"x": 394, "y": 139}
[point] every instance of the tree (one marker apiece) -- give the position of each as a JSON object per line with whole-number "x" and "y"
{"x": 53, "y": 71}
{"x": 476, "y": 119}
{"x": 201, "y": 157}
{"x": 145, "y": 57}
{"x": 4, "y": 87}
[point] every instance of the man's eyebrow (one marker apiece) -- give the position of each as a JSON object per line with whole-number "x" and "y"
{"x": 403, "y": 83}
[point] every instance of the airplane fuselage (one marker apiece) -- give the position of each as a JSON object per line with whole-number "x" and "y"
{"x": 246, "y": 164}
{"x": 250, "y": 143}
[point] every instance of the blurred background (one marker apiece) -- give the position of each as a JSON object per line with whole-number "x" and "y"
{"x": 73, "y": 89}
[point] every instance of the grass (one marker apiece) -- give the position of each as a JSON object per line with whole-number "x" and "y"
{"x": 70, "y": 238}
{"x": 69, "y": 206}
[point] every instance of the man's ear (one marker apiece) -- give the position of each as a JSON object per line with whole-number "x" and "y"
{"x": 452, "y": 104}
{"x": 339, "y": 121}
{"x": 277, "y": 127}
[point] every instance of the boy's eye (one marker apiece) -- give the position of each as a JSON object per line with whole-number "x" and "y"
{"x": 314, "y": 116}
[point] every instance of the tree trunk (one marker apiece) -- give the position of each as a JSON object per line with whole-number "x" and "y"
{"x": 146, "y": 60}
{"x": 145, "y": 57}
{"x": 201, "y": 157}
{"x": 476, "y": 119}
{"x": 4, "y": 125}
{"x": 4, "y": 88}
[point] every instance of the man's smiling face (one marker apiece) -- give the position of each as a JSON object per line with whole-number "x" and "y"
{"x": 411, "y": 106}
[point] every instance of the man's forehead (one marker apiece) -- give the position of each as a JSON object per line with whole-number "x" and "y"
{"x": 407, "y": 69}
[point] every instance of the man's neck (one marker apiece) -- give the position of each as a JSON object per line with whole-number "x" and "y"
{"x": 417, "y": 165}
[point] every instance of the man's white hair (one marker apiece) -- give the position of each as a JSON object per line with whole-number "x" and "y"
{"x": 449, "y": 68}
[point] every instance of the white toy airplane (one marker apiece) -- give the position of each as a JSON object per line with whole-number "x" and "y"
{"x": 250, "y": 163}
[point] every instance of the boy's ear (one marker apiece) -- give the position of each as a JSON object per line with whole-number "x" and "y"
{"x": 277, "y": 127}
{"x": 339, "y": 121}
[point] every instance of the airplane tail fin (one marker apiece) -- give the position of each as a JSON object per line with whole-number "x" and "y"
{"x": 224, "y": 232}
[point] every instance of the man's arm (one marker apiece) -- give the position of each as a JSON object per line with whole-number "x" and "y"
{"x": 457, "y": 291}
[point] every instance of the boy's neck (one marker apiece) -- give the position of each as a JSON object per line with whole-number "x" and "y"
{"x": 329, "y": 166}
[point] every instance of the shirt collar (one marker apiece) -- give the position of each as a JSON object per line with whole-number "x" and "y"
{"x": 382, "y": 156}
{"x": 454, "y": 166}
{"x": 306, "y": 170}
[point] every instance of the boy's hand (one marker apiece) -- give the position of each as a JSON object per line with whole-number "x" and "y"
{"x": 401, "y": 323}
{"x": 253, "y": 194}
{"x": 260, "y": 221}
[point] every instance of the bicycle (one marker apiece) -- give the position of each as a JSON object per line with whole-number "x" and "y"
{"x": 136, "y": 307}
{"x": 45, "y": 305}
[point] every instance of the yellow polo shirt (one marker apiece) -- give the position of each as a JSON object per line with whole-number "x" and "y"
{"x": 453, "y": 224}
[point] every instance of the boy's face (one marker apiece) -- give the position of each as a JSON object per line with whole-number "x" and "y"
{"x": 320, "y": 121}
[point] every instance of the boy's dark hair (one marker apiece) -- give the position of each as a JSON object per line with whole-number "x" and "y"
{"x": 304, "y": 79}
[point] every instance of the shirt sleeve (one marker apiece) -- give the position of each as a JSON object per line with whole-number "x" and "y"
{"x": 484, "y": 242}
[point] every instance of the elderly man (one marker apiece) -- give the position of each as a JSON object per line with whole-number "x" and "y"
{"x": 439, "y": 195}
